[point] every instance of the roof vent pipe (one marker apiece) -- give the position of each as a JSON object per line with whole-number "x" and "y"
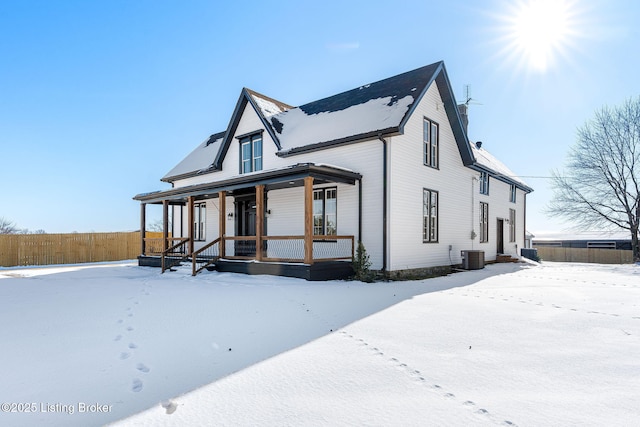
{"x": 479, "y": 144}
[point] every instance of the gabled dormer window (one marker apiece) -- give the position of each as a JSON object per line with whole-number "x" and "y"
{"x": 251, "y": 153}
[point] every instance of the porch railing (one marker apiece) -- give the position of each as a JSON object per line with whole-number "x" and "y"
{"x": 205, "y": 256}
{"x": 288, "y": 248}
{"x": 274, "y": 249}
{"x": 175, "y": 254}
{"x": 153, "y": 245}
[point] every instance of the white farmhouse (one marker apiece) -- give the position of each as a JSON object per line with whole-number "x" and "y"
{"x": 291, "y": 190}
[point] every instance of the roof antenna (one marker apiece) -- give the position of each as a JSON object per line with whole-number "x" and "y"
{"x": 467, "y": 96}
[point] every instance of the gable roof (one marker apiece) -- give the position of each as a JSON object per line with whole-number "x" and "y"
{"x": 199, "y": 160}
{"x": 370, "y": 111}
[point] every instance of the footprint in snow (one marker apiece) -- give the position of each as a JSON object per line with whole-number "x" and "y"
{"x": 124, "y": 355}
{"x": 118, "y": 338}
{"x": 136, "y": 385}
{"x": 169, "y": 406}
{"x": 132, "y": 345}
{"x": 129, "y": 328}
{"x": 142, "y": 368}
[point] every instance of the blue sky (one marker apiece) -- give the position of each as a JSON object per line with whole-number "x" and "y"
{"x": 99, "y": 99}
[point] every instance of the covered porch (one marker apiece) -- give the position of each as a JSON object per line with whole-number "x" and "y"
{"x": 241, "y": 241}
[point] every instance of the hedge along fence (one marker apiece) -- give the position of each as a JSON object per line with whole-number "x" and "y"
{"x": 588, "y": 255}
{"x": 47, "y": 249}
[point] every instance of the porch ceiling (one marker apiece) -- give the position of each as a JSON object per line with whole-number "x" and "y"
{"x": 288, "y": 177}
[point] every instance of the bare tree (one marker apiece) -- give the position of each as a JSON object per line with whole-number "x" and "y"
{"x": 601, "y": 185}
{"x": 157, "y": 225}
{"x": 7, "y": 227}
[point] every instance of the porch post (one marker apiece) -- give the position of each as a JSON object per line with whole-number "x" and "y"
{"x": 308, "y": 220}
{"x": 222, "y": 220}
{"x": 165, "y": 224}
{"x": 143, "y": 227}
{"x": 190, "y": 223}
{"x": 259, "y": 220}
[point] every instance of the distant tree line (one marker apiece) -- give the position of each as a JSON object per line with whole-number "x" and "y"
{"x": 9, "y": 227}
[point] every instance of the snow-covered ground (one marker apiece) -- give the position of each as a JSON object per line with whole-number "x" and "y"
{"x": 556, "y": 344}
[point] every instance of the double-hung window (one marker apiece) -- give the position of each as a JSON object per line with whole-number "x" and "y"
{"x": 429, "y": 216}
{"x": 251, "y": 153}
{"x": 325, "y": 211}
{"x": 199, "y": 221}
{"x": 484, "y": 222}
{"x": 430, "y": 143}
{"x": 512, "y": 225}
{"x": 484, "y": 183}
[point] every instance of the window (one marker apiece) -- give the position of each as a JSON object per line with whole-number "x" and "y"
{"x": 429, "y": 216}
{"x": 512, "y": 193}
{"x": 512, "y": 225}
{"x": 430, "y": 140}
{"x": 199, "y": 221}
{"x": 325, "y": 212}
{"x": 251, "y": 153}
{"x": 484, "y": 222}
{"x": 484, "y": 183}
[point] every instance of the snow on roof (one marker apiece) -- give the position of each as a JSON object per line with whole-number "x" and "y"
{"x": 268, "y": 106}
{"x": 199, "y": 159}
{"x": 299, "y": 128}
{"x": 486, "y": 159}
{"x": 369, "y": 108}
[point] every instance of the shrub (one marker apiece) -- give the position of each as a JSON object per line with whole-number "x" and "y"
{"x": 362, "y": 265}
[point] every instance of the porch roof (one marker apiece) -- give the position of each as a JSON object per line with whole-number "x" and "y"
{"x": 287, "y": 177}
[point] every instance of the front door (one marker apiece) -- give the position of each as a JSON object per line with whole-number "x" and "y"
{"x": 245, "y": 225}
{"x": 500, "y": 236}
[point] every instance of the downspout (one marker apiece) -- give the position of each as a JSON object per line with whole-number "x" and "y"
{"x": 360, "y": 210}
{"x": 524, "y": 220}
{"x": 473, "y": 216}
{"x": 384, "y": 203}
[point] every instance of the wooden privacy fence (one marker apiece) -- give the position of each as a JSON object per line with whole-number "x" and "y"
{"x": 46, "y": 249}
{"x": 590, "y": 255}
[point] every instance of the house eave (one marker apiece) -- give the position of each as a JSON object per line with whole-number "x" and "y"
{"x": 174, "y": 178}
{"x": 392, "y": 131}
{"x": 283, "y": 177}
{"x": 501, "y": 177}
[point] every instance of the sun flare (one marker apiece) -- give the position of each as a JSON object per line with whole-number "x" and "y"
{"x": 540, "y": 30}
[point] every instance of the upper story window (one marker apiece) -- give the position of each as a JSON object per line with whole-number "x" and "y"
{"x": 430, "y": 143}
{"x": 512, "y": 193}
{"x": 484, "y": 183}
{"x": 251, "y": 153}
{"x": 325, "y": 211}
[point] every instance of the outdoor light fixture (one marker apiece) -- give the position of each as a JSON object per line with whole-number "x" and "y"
{"x": 230, "y": 215}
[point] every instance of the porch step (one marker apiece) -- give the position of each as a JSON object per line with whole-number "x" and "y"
{"x": 506, "y": 258}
